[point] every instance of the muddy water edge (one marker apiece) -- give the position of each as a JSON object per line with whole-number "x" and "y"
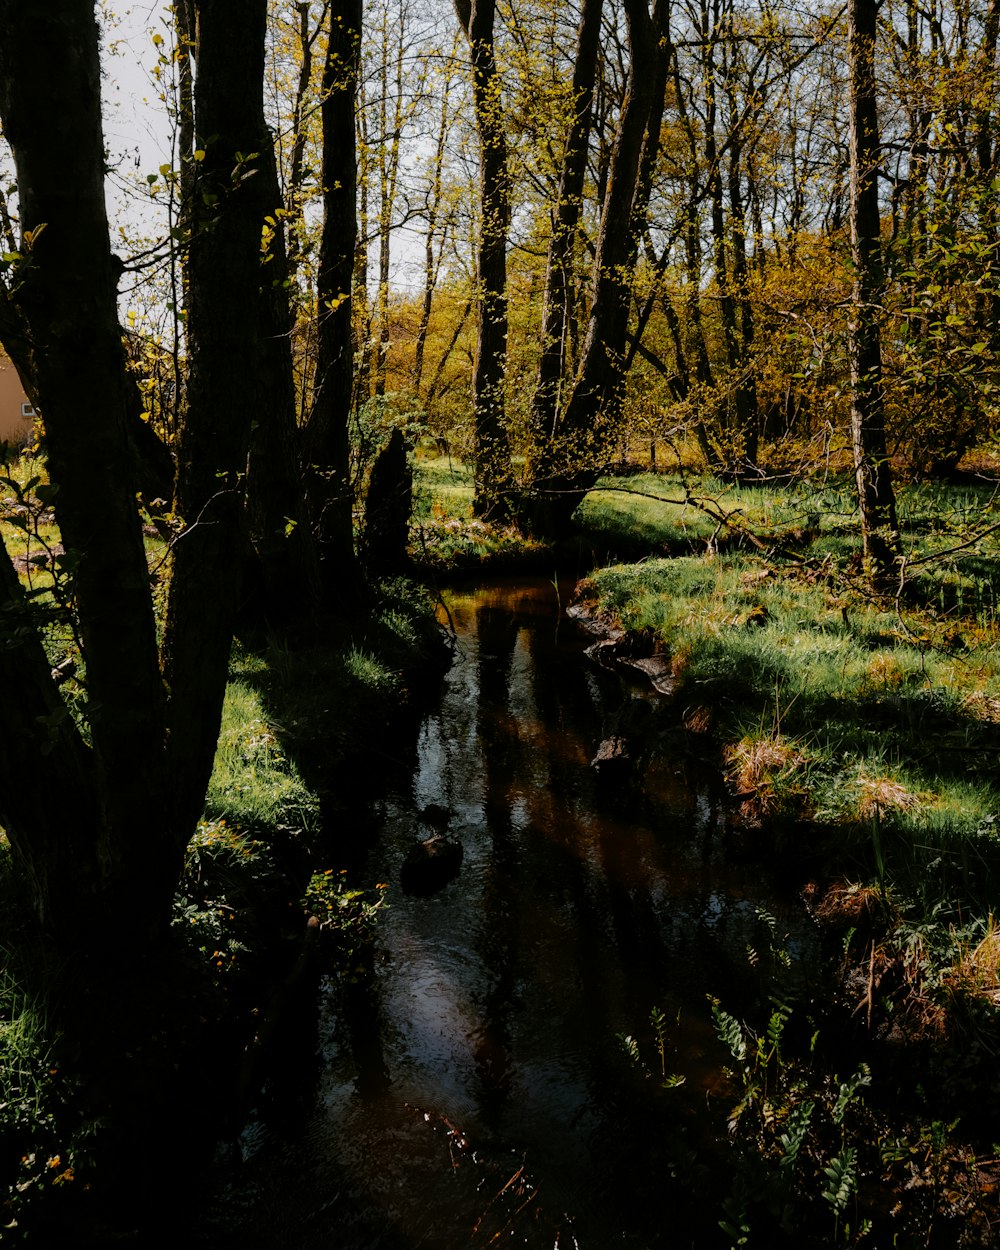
{"x": 471, "y": 1088}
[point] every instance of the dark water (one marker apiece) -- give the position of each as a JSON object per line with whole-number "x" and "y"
{"x": 473, "y": 1091}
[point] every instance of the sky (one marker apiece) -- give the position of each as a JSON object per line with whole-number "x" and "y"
{"x": 136, "y": 125}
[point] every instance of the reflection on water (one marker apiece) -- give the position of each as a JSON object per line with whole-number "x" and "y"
{"x": 483, "y": 1051}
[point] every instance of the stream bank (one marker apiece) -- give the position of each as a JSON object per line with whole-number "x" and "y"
{"x": 474, "y": 1081}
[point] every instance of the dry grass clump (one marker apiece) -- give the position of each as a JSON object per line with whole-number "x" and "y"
{"x": 883, "y": 794}
{"x": 982, "y": 706}
{"x": 977, "y": 971}
{"x": 698, "y": 720}
{"x": 755, "y": 764}
{"x": 767, "y": 774}
{"x": 850, "y": 904}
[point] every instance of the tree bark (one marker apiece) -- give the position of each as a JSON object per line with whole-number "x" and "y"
{"x": 492, "y": 453}
{"x": 879, "y": 527}
{"x": 558, "y": 302}
{"x": 65, "y": 300}
{"x": 570, "y": 461}
{"x": 326, "y": 441}
{"x": 286, "y": 564}
{"x": 224, "y": 363}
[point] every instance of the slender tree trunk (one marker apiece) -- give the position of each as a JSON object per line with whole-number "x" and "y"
{"x": 296, "y": 169}
{"x": 362, "y": 313}
{"x": 224, "y": 383}
{"x": 879, "y": 527}
{"x": 433, "y": 213}
{"x": 326, "y": 444}
{"x": 492, "y": 454}
{"x": 571, "y": 461}
{"x": 287, "y": 595}
{"x": 558, "y": 302}
{"x": 391, "y": 127}
{"x": 745, "y": 387}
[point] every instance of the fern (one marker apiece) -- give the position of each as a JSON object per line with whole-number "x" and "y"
{"x": 842, "y": 1179}
{"x": 795, "y": 1134}
{"x": 729, "y": 1031}
{"x": 848, "y": 1090}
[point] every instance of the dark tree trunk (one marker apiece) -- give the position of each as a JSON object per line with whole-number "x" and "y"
{"x": 571, "y": 460}
{"x": 65, "y": 303}
{"x": 387, "y": 510}
{"x": 559, "y": 284}
{"x": 492, "y": 455}
{"x": 326, "y": 443}
{"x": 101, "y": 827}
{"x": 224, "y": 381}
{"x": 879, "y": 527}
{"x": 286, "y": 564}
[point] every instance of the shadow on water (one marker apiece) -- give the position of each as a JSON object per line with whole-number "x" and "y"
{"x": 471, "y": 1087}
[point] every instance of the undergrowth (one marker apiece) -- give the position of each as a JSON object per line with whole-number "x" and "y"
{"x": 445, "y": 536}
{"x": 258, "y": 864}
{"x": 860, "y": 736}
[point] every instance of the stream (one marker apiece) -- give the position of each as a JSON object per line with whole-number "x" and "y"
{"x": 473, "y": 1090}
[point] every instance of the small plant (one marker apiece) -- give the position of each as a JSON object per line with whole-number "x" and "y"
{"x": 789, "y": 1128}
{"x": 339, "y": 908}
{"x": 662, "y": 1047}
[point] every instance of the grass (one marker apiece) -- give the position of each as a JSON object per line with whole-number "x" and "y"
{"x": 444, "y": 534}
{"x": 858, "y": 734}
{"x": 857, "y": 691}
{"x": 254, "y": 784}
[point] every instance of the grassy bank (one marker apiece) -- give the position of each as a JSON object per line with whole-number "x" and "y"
{"x": 858, "y": 734}
{"x": 445, "y": 536}
{"x": 268, "y": 853}
{"x": 860, "y": 739}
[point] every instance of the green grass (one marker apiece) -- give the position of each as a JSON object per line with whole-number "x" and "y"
{"x": 444, "y": 534}
{"x": 254, "y": 784}
{"x": 670, "y": 514}
{"x": 835, "y": 710}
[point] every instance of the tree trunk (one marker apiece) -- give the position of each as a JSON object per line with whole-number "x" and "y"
{"x": 492, "y": 454}
{"x": 65, "y": 299}
{"x": 571, "y": 460}
{"x": 432, "y": 265}
{"x": 224, "y": 381}
{"x": 558, "y": 301}
{"x": 286, "y": 564}
{"x": 326, "y": 443}
{"x": 879, "y": 527}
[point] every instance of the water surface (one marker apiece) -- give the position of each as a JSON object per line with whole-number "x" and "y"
{"x": 473, "y": 1090}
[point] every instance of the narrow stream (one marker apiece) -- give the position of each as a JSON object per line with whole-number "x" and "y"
{"x": 474, "y": 1091}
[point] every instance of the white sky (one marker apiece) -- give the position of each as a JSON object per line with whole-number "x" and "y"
{"x": 138, "y": 134}
{"x": 136, "y": 125}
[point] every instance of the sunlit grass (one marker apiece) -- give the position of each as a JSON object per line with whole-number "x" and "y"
{"x": 254, "y": 785}
{"x": 444, "y": 534}
{"x": 833, "y": 709}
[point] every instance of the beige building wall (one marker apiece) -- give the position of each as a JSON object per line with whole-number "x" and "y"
{"x": 16, "y": 413}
